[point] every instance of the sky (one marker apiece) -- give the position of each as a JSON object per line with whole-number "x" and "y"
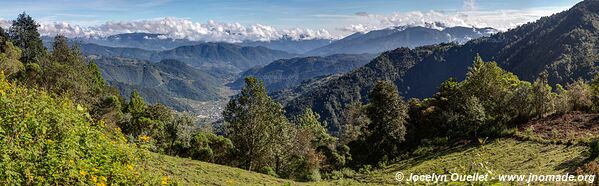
{"x": 235, "y": 20}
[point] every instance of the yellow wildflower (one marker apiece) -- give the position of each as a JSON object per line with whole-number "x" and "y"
{"x": 103, "y": 178}
{"x": 71, "y": 162}
{"x": 230, "y": 182}
{"x": 83, "y": 173}
{"x": 100, "y": 184}
{"x": 130, "y": 167}
{"x": 94, "y": 179}
{"x": 164, "y": 180}
{"x": 144, "y": 138}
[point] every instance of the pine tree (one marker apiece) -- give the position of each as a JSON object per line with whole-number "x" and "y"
{"x": 62, "y": 53}
{"x": 388, "y": 115}
{"x": 309, "y": 121}
{"x": 137, "y": 105}
{"x": 24, "y": 34}
{"x": 257, "y": 127}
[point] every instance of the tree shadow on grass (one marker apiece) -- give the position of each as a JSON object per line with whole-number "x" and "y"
{"x": 571, "y": 165}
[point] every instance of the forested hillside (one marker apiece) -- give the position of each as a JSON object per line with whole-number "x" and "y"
{"x": 288, "y": 73}
{"x": 214, "y": 56}
{"x": 561, "y": 45}
{"x": 160, "y": 82}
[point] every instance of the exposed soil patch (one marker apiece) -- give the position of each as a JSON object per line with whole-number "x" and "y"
{"x": 564, "y": 127}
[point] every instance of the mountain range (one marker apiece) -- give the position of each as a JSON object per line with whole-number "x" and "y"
{"x": 564, "y": 45}
{"x": 288, "y": 73}
{"x": 402, "y": 36}
{"x": 160, "y": 82}
{"x": 217, "y": 56}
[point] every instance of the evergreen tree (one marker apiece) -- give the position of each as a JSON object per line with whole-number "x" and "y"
{"x": 386, "y": 131}
{"x": 309, "y": 121}
{"x": 542, "y": 100}
{"x": 257, "y": 126}
{"x": 24, "y": 34}
{"x": 137, "y": 105}
{"x": 61, "y": 52}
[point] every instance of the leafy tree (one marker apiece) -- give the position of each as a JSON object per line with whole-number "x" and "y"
{"x": 385, "y": 132}
{"x": 211, "y": 148}
{"x": 580, "y": 96}
{"x": 495, "y": 89}
{"x": 24, "y": 34}
{"x": 9, "y": 60}
{"x": 257, "y": 126}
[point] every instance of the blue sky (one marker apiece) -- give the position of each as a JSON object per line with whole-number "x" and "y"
{"x": 333, "y": 15}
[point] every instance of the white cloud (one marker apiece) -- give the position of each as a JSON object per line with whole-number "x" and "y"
{"x": 180, "y": 28}
{"x": 177, "y": 28}
{"x": 470, "y": 17}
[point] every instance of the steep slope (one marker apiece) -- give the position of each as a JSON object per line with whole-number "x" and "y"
{"x": 160, "y": 82}
{"x": 387, "y": 39}
{"x": 564, "y": 45}
{"x": 287, "y": 73}
{"x": 218, "y": 56}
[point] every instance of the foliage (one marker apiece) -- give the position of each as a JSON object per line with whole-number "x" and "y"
{"x": 23, "y": 33}
{"x": 54, "y": 141}
{"x": 9, "y": 60}
{"x": 257, "y": 127}
{"x": 384, "y": 134}
{"x": 579, "y": 96}
{"x": 209, "y": 147}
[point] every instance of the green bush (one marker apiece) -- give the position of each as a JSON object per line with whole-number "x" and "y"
{"x": 54, "y": 141}
{"x": 594, "y": 149}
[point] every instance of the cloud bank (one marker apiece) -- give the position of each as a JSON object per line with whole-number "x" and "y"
{"x": 469, "y": 17}
{"x": 177, "y": 28}
{"x": 211, "y": 31}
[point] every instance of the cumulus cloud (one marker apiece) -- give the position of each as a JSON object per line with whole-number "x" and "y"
{"x": 469, "y": 17}
{"x": 177, "y": 28}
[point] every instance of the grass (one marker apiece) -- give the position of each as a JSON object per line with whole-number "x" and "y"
{"x": 549, "y": 146}
{"x": 190, "y": 172}
{"x": 502, "y": 156}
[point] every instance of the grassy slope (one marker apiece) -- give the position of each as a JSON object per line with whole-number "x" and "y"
{"x": 190, "y": 172}
{"x": 506, "y": 156}
{"x": 532, "y": 153}
{"x": 503, "y": 156}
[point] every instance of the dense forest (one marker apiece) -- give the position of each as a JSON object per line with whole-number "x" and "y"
{"x": 61, "y": 123}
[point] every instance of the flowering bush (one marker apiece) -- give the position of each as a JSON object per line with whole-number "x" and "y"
{"x": 44, "y": 140}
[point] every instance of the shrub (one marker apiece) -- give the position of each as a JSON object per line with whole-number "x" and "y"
{"x": 49, "y": 141}
{"x": 594, "y": 149}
